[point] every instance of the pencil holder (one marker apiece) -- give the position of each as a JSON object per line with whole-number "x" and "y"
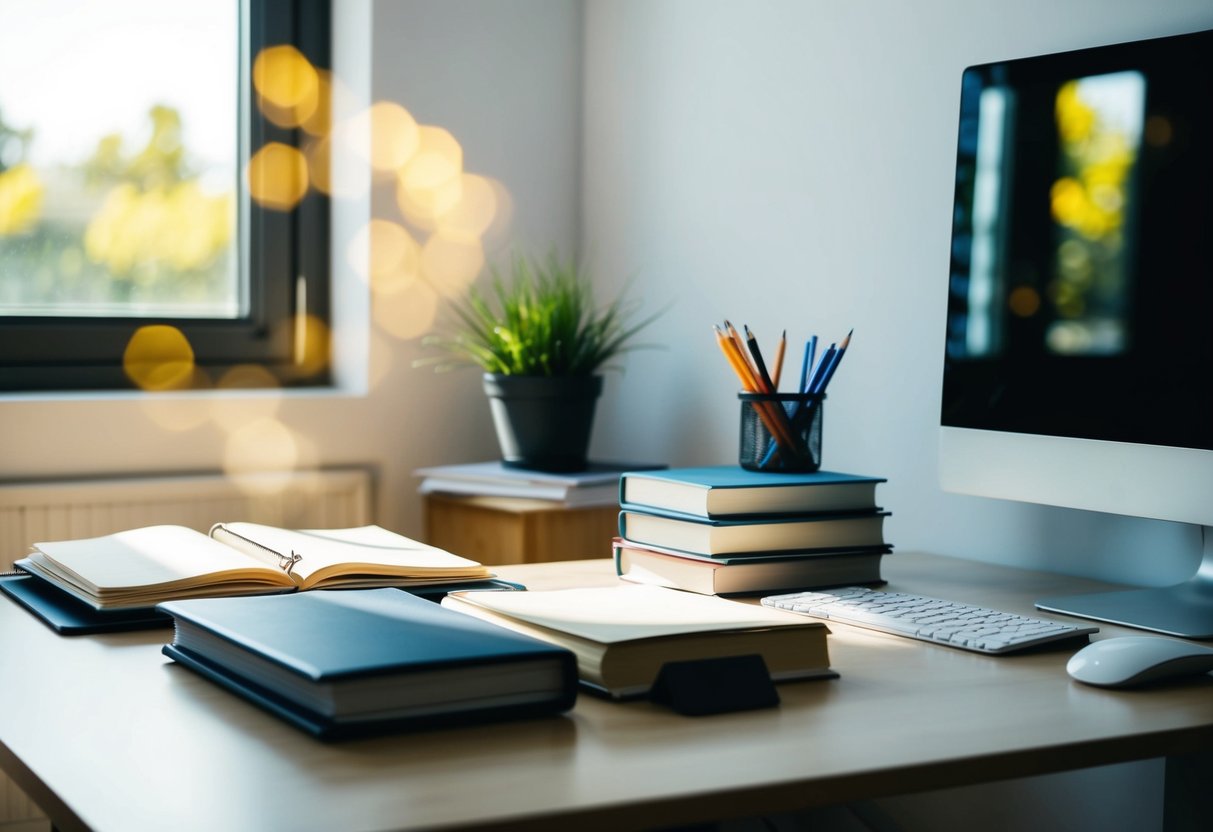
{"x": 781, "y": 431}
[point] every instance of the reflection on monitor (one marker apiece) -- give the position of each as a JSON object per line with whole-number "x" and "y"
{"x": 1078, "y": 365}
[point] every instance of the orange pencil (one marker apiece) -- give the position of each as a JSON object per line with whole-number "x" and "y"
{"x": 772, "y": 415}
{"x": 729, "y": 348}
{"x": 783, "y": 345}
{"x": 744, "y": 352}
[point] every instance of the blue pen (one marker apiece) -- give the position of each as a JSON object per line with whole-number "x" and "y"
{"x": 810, "y": 353}
{"x": 819, "y": 387}
{"x": 805, "y": 363}
{"x": 823, "y": 366}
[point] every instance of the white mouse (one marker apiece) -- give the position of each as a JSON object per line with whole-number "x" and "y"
{"x": 1135, "y": 660}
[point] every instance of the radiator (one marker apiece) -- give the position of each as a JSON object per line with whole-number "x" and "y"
{"x": 60, "y": 510}
{"x": 67, "y": 509}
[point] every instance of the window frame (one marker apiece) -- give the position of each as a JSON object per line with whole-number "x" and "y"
{"x": 284, "y": 254}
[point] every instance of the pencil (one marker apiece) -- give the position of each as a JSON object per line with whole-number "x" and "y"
{"x": 776, "y": 425}
{"x": 758, "y": 362}
{"x": 729, "y": 348}
{"x": 779, "y": 350}
{"x": 738, "y": 342}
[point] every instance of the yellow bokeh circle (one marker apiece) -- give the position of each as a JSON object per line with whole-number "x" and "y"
{"x": 159, "y": 357}
{"x": 277, "y": 176}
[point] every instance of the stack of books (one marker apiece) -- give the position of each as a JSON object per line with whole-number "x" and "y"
{"x": 597, "y": 485}
{"x": 725, "y": 530}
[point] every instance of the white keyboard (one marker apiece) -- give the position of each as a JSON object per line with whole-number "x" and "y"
{"x": 928, "y": 619}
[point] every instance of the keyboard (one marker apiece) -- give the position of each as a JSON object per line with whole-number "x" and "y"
{"x": 928, "y": 619}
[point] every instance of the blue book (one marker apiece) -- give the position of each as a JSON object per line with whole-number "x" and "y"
{"x": 732, "y": 491}
{"x": 357, "y": 662}
{"x": 714, "y": 537}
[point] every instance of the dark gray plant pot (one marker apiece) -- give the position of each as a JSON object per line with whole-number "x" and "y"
{"x": 543, "y": 423}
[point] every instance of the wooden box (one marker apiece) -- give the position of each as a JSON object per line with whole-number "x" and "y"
{"x": 500, "y": 530}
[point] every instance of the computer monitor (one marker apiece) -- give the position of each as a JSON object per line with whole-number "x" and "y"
{"x": 1078, "y": 367}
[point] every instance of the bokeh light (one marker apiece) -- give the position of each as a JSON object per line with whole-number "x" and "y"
{"x": 423, "y": 207}
{"x": 392, "y": 133}
{"x": 277, "y": 176}
{"x": 320, "y": 120}
{"x": 451, "y": 261}
{"x": 476, "y": 209}
{"x": 407, "y": 314}
{"x": 159, "y": 357}
{"x": 386, "y": 255}
{"x": 430, "y": 179}
{"x": 288, "y": 86}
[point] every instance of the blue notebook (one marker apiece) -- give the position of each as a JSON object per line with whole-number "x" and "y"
{"x": 345, "y": 663}
{"x": 732, "y": 491}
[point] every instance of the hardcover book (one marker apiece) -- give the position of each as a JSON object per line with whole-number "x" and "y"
{"x": 358, "y": 662}
{"x": 746, "y": 575}
{"x": 624, "y": 635}
{"x": 730, "y": 490}
{"x": 705, "y": 536}
{"x": 139, "y": 568}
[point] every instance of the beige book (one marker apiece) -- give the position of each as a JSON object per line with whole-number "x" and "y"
{"x": 623, "y": 635}
{"x": 141, "y": 567}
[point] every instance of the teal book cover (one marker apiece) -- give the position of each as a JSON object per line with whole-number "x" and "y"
{"x": 349, "y": 662}
{"x": 730, "y": 490}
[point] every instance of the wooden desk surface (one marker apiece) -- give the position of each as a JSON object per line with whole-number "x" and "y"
{"x": 105, "y": 732}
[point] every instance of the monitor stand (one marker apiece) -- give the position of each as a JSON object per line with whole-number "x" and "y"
{"x": 1184, "y": 609}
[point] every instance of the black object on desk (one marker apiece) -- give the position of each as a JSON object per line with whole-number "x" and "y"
{"x": 702, "y": 687}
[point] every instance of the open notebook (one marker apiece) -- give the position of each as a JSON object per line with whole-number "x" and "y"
{"x": 142, "y": 567}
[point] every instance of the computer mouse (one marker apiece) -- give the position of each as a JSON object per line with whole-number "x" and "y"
{"x": 1135, "y": 660}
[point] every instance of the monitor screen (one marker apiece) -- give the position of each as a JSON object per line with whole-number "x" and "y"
{"x": 1079, "y": 342}
{"x": 1081, "y": 289}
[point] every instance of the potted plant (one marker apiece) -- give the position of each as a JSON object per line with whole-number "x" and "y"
{"x": 542, "y": 344}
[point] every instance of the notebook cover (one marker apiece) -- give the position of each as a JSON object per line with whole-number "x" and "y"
{"x": 68, "y": 615}
{"x": 328, "y": 635}
{"x": 327, "y": 729}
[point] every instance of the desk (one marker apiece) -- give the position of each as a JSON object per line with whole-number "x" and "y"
{"x": 104, "y": 732}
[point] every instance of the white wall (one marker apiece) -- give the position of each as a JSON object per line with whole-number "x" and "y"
{"x": 788, "y": 164}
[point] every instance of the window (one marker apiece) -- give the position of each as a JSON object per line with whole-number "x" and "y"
{"x": 157, "y": 227}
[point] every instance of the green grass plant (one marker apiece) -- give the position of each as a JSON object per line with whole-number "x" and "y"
{"x": 539, "y": 320}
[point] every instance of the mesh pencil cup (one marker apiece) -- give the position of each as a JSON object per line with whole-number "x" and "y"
{"x": 781, "y": 431}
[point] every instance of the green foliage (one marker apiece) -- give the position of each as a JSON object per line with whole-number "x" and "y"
{"x": 540, "y": 321}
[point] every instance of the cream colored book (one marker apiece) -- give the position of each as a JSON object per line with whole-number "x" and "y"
{"x": 141, "y": 567}
{"x": 623, "y": 635}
